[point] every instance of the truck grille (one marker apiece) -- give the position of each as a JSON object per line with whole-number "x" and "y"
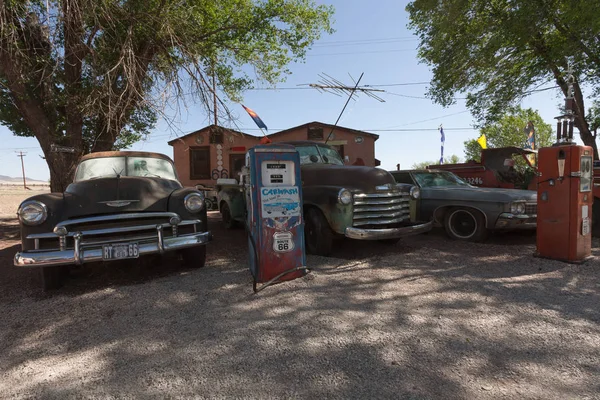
{"x": 113, "y": 228}
{"x": 531, "y": 208}
{"x": 383, "y": 208}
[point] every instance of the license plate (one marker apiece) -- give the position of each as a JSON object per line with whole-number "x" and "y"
{"x": 120, "y": 251}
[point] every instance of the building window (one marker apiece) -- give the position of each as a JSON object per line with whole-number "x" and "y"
{"x": 236, "y": 162}
{"x": 315, "y": 133}
{"x": 216, "y": 136}
{"x": 200, "y": 162}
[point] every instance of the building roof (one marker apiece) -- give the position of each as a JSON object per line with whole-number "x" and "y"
{"x": 212, "y": 126}
{"x": 355, "y": 131}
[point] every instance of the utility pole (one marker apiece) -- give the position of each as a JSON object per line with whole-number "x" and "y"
{"x": 214, "y": 90}
{"x": 21, "y": 155}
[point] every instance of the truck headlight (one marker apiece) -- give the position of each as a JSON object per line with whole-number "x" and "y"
{"x": 344, "y": 196}
{"x": 415, "y": 192}
{"x": 194, "y": 202}
{"x": 517, "y": 208}
{"x": 33, "y": 212}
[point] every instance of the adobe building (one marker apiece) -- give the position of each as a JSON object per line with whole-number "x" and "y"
{"x": 214, "y": 152}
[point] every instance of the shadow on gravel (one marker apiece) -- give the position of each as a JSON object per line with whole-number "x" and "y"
{"x": 427, "y": 318}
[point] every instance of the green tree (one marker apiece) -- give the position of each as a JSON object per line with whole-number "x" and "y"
{"x": 453, "y": 159}
{"x": 509, "y": 131}
{"x": 499, "y": 51}
{"x": 95, "y": 74}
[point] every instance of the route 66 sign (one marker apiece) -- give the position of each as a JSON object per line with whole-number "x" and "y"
{"x": 283, "y": 242}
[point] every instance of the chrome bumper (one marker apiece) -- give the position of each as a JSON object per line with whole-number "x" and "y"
{"x": 81, "y": 254}
{"x": 513, "y": 221}
{"x": 389, "y": 233}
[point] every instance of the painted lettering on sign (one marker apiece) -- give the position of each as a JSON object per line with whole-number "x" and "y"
{"x": 279, "y": 191}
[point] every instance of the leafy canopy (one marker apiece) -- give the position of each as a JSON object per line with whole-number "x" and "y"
{"x": 509, "y": 130}
{"x": 453, "y": 159}
{"x": 113, "y": 65}
{"x": 499, "y": 51}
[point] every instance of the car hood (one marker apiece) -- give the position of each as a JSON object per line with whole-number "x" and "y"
{"x": 117, "y": 195}
{"x": 350, "y": 177}
{"x": 478, "y": 194}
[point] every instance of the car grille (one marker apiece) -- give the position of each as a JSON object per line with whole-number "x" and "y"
{"x": 531, "y": 208}
{"x": 382, "y": 208}
{"x": 113, "y": 228}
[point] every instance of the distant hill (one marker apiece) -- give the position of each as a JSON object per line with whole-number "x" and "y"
{"x": 9, "y": 179}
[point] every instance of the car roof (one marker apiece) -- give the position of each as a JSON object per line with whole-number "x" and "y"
{"x": 418, "y": 170}
{"x": 102, "y": 154}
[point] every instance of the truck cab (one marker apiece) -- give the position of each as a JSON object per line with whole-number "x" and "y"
{"x": 356, "y": 202}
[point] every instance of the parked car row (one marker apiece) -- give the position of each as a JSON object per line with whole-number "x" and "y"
{"x": 123, "y": 205}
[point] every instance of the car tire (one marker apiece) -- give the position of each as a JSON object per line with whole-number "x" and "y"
{"x": 194, "y": 257}
{"x": 317, "y": 233}
{"x": 228, "y": 220}
{"x": 53, "y": 277}
{"x": 465, "y": 224}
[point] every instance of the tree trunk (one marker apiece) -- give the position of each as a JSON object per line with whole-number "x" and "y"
{"x": 62, "y": 170}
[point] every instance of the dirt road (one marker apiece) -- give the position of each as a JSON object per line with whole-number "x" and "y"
{"x": 428, "y": 318}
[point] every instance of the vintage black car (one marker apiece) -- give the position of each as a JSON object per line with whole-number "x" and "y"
{"x": 121, "y": 205}
{"x": 469, "y": 212}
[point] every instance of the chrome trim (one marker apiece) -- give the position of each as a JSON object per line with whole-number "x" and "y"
{"x": 194, "y": 194}
{"x": 118, "y": 203}
{"x": 160, "y": 243}
{"x": 382, "y": 208}
{"x": 367, "y": 202}
{"x": 375, "y": 215}
{"x": 105, "y": 231}
{"x": 77, "y": 248}
{"x": 48, "y": 258}
{"x": 116, "y": 217}
{"x": 382, "y": 221}
{"x": 62, "y": 242}
{"x": 375, "y": 195}
{"x": 390, "y": 233}
{"x": 44, "y": 212}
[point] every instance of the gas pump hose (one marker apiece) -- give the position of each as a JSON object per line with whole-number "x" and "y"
{"x": 254, "y": 250}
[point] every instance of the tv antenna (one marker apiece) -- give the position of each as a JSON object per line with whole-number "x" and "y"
{"x": 328, "y": 84}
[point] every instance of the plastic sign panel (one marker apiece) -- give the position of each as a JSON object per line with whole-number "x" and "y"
{"x": 281, "y": 201}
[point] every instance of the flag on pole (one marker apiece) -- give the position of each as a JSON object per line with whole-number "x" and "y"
{"x": 482, "y": 141}
{"x": 443, "y": 140}
{"x": 259, "y": 122}
{"x": 530, "y": 143}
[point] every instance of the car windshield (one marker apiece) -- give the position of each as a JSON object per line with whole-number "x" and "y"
{"x": 105, "y": 167}
{"x": 435, "y": 179}
{"x": 319, "y": 154}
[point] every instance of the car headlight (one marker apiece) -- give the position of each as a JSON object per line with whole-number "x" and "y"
{"x": 194, "y": 202}
{"x": 415, "y": 192}
{"x": 517, "y": 208}
{"x": 33, "y": 212}
{"x": 344, "y": 196}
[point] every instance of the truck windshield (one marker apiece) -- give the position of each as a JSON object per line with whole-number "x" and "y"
{"x": 319, "y": 154}
{"x": 433, "y": 179}
{"x": 106, "y": 167}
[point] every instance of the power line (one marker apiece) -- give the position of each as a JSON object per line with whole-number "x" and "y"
{"x": 359, "y": 43}
{"x": 360, "y": 52}
{"x": 379, "y": 85}
{"x": 366, "y": 40}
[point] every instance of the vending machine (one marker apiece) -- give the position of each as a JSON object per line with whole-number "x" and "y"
{"x": 275, "y": 222}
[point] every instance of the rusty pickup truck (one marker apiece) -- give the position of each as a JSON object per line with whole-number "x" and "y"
{"x": 357, "y": 202}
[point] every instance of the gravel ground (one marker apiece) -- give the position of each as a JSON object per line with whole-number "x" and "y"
{"x": 12, "y": 196}
{"x": 427, "y": 318}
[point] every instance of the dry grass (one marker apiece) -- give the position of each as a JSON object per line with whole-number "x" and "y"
{"x": 12, "y": 196}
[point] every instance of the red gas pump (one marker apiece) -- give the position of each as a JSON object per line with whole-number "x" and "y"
{"x": 565, "y": 196}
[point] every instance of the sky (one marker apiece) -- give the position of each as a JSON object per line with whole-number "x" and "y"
{"x": 371, "y": 38}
